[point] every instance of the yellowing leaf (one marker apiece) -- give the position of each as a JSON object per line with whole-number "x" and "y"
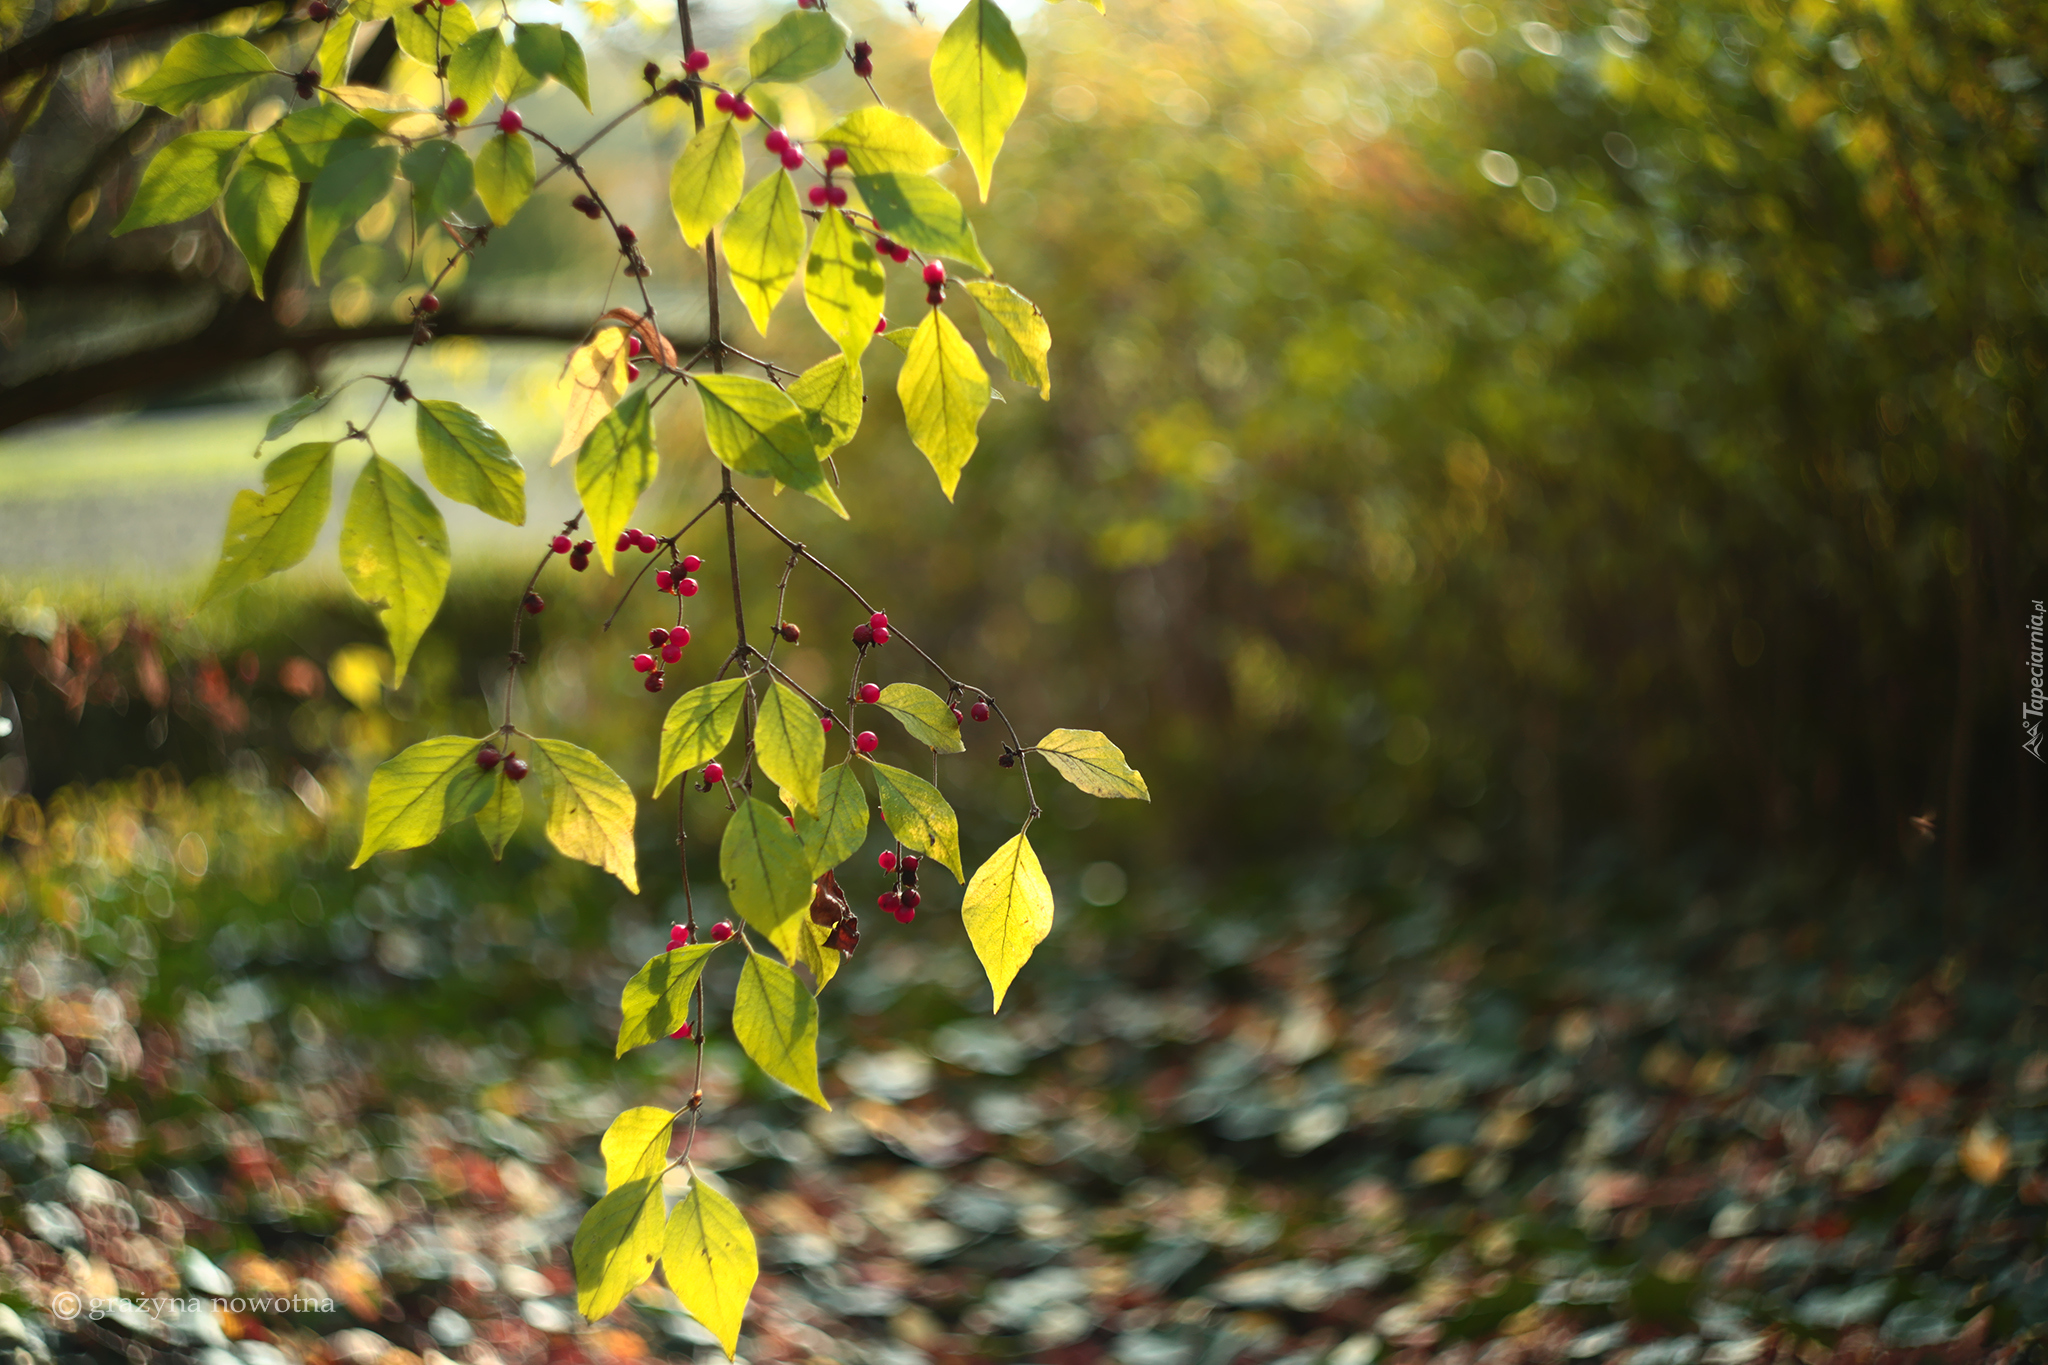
{"x": 590, "y": 808}
{"x": 276, "y": 528}
{"x": 656, "y": 1002}
{"x": 944, "y": 392}
{"x": 1007, "y": 910}
{"x": 707, "y": 179}
{"x": 1016, "y": 332}
{"x": 843, "y": 283}
{"x": 925, "y": 715}
{"x": 830, "y": 394}
{"x": 1091, "y": 762}
{"x": 698, "y": 726}
{"x": 617, "y": 1245}
{"x": 420, "y": 791}
{"x": 879, "y": 140}
{"x": 596, "y": 376}
{"x": 636, "y": 1145}
{"x": 790, "y": 744}
{"x": 394, "y": 553}
{"x": 776, "y": 1022}
{"x": 469, "y": 461}
{"x": 500, "y": 815}
{"x": 182, "y": 179}
{"x": 978, "y": 80}
{"x": 840, "y": 827}
{"x": 200, "y": 67}
{"x": 918, "y": 815}
{"x": 504, "y": 175}
{"x": 710, "y": 1261}
{"x": 613, "y": 469}
{"x": 761, "y": 862}
{"x": 763, "y": 243}
{"x": 755, "y": 428}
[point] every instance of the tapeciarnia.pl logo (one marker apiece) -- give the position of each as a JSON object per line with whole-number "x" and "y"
{"x": 2037, "y": 671}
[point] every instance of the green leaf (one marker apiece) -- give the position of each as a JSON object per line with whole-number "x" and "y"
{"x": 616, "y": 1245}
{"x": 790, "y": 744}
{"x": 182, "y": 179}
{"x": 545, "y": 50}
{"x": 504, "y": 175}
{"x": 1091, "y": 762}
{"x": 843, "y": 283}
{"x": 394, "y": 553}
{"x": 925, "y": 715}
{"x": 776, "y": 1021}
{"x": 879, "y": 140}
{"x": 500, "y": 815}
{"x": 978, "y": 80}
{"x": 469, "y": 461}
{"x": 830, "y": 394}
{"x": 761, "y": 862}
{"x": 590, "y": 808}
{"x": 763, "y": 244}
{"x": 918, "y": 815}
{"x": 613, "y": 469}
{"x": 841, "y": 824}
{"x": 347, "y": 188}
{"x": 901, "y": 337}
{"x": 922, "y": 214}
{"x": 418, "y": 792}
{"x": 707, "y": 179}
{"x": 442, "y": 181}
{"x": 1008, "y": 912}
{"x": 276, "y": 528}
{"x": 796, "y": 47}
{"x": 636, "y": 1145}
{"x": 1016, "y": 332}
{"x": 256, "y": 209}
{"x": 698, "y": 726}
{"x": 473, "y": 71}
{"x": 337, "y": 46}
{"x": 305, "y": 141}
{"x": 944, "y": 392}
{"x": 656, "y": 1002}
{"x": 710, "y": 1261}
{"x": 200, "y": 67}
{"x": 299, "y": 410}
{"x": 438, "y": 33}
{"x": 755, "y": 428}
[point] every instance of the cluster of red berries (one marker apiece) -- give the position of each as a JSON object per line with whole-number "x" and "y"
{"x": 679, "y": 934}
{"x": 633, "y": 346}
{"x": 895, "y": 251}
{"x": 873, "y": 631}
{"x": 737, "y": 106}
{"x": 670, "y": 645}
{"x": 901, "y": 900}
{"x": 779, "y": 143}
{"x": 488, "y": 758}
{"x": 306, "y": 84}
{"x": 578, "y": 551}
{"x": 935, "y": 282}
{"x": 676, "y": 578}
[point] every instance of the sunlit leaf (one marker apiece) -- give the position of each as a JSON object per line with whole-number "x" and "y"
{"x": 182, "y": 179}
{"x": 439, "y": 32}
{"x": 596, "y": 375}
{"x": 944, "y": 391}
{"x": 843, "y": 283}
{"x": 546, "y": 50}
{"x": 764, "y": 241}
{"x": 617, "y": 1245}
{"x": 498, "y": 818}
{"x": 919, "y": 816}
{"x": 699, "y": 725}
{"x": 656, "y": 1002}
{"x": 469, "y": 461}
{"x": 840, "y": 827}
{"x": 276, "y": 528}
{"x": 707, "y": 179}
{"x": 978, "y": 80}
{"x": 337, "y": 49}
{"x": 796, "y": 47}
{"x": 710, "y": 1261}
{"x": 789, "y": 744}
{"x": 925, "y": 715}
{"x": 755, "y": 428}
{"x": 1091, "y": 762}
{"x": 776, "y": 1022}
{"x": 420, "y": 791}
{"x": 590, "y": 808}
{"x": 1007, "y": 910}
{"x": 304, "y": 141}
{"x": 1016, "y": 332}
{"x": 879, "y": 140}
{"x": 394, "y": 553}
{"x": 504, "y": 175}
{"x": 922, "y": 214}
{"x": 613, "y": 469}
{"x": 473, "y": 71}
{"x": 830, "y": 394}
{"x": 348, "y": 187}
{"x": 635, "y": 1146}
{"x": 200, "y": 67}
{"x": 761, "y": 861}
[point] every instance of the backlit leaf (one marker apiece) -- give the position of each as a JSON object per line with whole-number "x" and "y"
{"x": 442, "y": 180}
{"x": 276, "y": 528}
{"x": 473, "y": 71}
{"x": 546, "y": 50}
{"x": 789, "y": 743}
{"x": 613, "y": 469}
{"x": 596, "y": 376}
{"x": 796, "y": 47}
{"x": 656, "y": 1002}
{"x": 504, "y": 175}
{"x": 499, "y": 816}
{"x": 699, "y": 725}
{"x": 918, "y": 815}
{"x": 925, "y": 715}
{"x": 776, "y": 1022}
{"x": 348, "y": 187}
{"x": 944, "y": 391}
{"x": 337, "y": 50}
{"x": 590, "y": 808}
{"x": 1007, "y": 910}
{"x": 710, "y": 1261}
{"x": 764, "y": 241}
{"x": 879, "y": 140}
{"x": 304, "y": 141}
{"x": 1016, "y": 332}
{"x": 394, "y": 553}
{"x": 755, "y": 428}
{"x": 707, "y": 179}
{"x": 840, "y": 827}
{"x": 761, "y": 862}
{"x": 256, "y": 208}
{"x": 420, "y": 791}
{"x": 182, "y": 179}
{"x": 617, "y": 1245}
{"x": 830, "y": 394}
{"x": 1091, "y": 762}
{"x": 978, "y": 80}
{"x": 635, "y": 1146}
{"x": 843, "y": 283}
{"x": 922, "y": 214}
{"x": 200, "y": 67}
{"x": 469, "y": 461}
{"x": 438, "y": 33}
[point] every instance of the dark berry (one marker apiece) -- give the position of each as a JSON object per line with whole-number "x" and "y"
{"x": 487, "y": 757}
{"x": 721, "y": 931}
{"x": 865, "y": 741}
{"x": 835, "y": 158}
{"x": 306, "y": 84}
{"x": 789, "y": 632}
{"x": 1008, "y": 760}
{"x": 429, "y": 304}
{"x": 881, "y": 634}
{"x": 887, "y": 862}
{"x": 979, "y": 710}
{"x": 696, "y": 59}
{"x": 862, "y": 50}
{"x": 516, "y": 769}
{"x": 510, "y": 122}
{"x": 870, "y": 693}
{"x": 643, "y": 663}
{"x": 863, "y": 634}
{"x": 319, "y": 11}
{"x": 457, "y": 109}
{"x": 934, "y": 272}
{"x": 585, "y": 205}
{"x": 650, "y": 73}
{"x": 935, "y": 295}
{"x": 910, "y": 899}
{"x": 626, "y": 235}
{"x": 687, "y": 587}
{"x": 579, "y": 560}
{"x": 691, "y": 563}
{"x": 863, "y": 68}
{"x": 910, "y": 862}
{"x": 584, "y": 547}
{"x": 534, "y": 604}
{"x": 657, "y": 637}
{"x": 654, "y": 681}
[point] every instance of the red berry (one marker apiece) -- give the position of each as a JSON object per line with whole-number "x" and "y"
{"x": 863, "y": 634}
{"x": 879, "y": 619}
{"x": 696, "y": 59}
{"x": 682, "y": 1034}
{"x": 561, "y": 545}
{"x": 792, "y": 159}
{"x": 905, "y": 915}
{"x": 865, "y": 741}
{"x": 678, "y": 936}
{"x": 863, "y": 68}
{"x": 691, "y": 563}
{"x": 889, "y": 901}
{"x": 881, "y": 634}
{"x": 979, "y": 710}
{"x": 679, "y": 636}
{"x": 671, "y": 652}
{"x": 584, "y": 547}
{"x": 870, "y": 693}
{"x": 835, "y": 158}
{"x": 741, "y": 110}
{"x": 429, "y": 304}
{"x": 516, "y": 769}
{"x": 647, "y": 541}
{"x": 836, "y": 194}
{"x": 881, "y": 324}
{"x": 657, "y": 637}
{"x": 827, "y": 720}
{"x": 721, "y": 931}
{"x": 662, "y": 580}
{"x": 457, "y": 108}
{"x": 654, "y": 682}
{"x": 776, "y": 141}
{"x": 789, "y": 632}
{"x": 934, "y": 272}
{"x": 632, "y": 372}
{"x": 714, "y": 773}
{"x": 910, "y": 899}
{"x": 633, "y": 346}
{"x": 534, "y": 605}
{"x": 510, "y": 122}
{"x": 900, "y": 254}
{"x": 643, "y": 663}
{"x": 724, "y": 102}
{"x": 623, "y": 543}
{"x": 626, "y": 235}
{"x": 687, "y": 587}
{"x": 319, "y": 11}
{"x": 818, "y": 196}
{"x": 487, "y": 757}
{"x": 957, "y": 717}
{"x": 935, "y": 295}
{"x": 789, "y": 820}
{"x": 579, "y": 560}
{"x": 887, "y": 862}
{"x": 883, "y": 246}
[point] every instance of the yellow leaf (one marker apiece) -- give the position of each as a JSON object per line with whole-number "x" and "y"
{"x": 596, "y": 379}
{"x": 711, "y": 1262}
{"x": 1007, "y": 912}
